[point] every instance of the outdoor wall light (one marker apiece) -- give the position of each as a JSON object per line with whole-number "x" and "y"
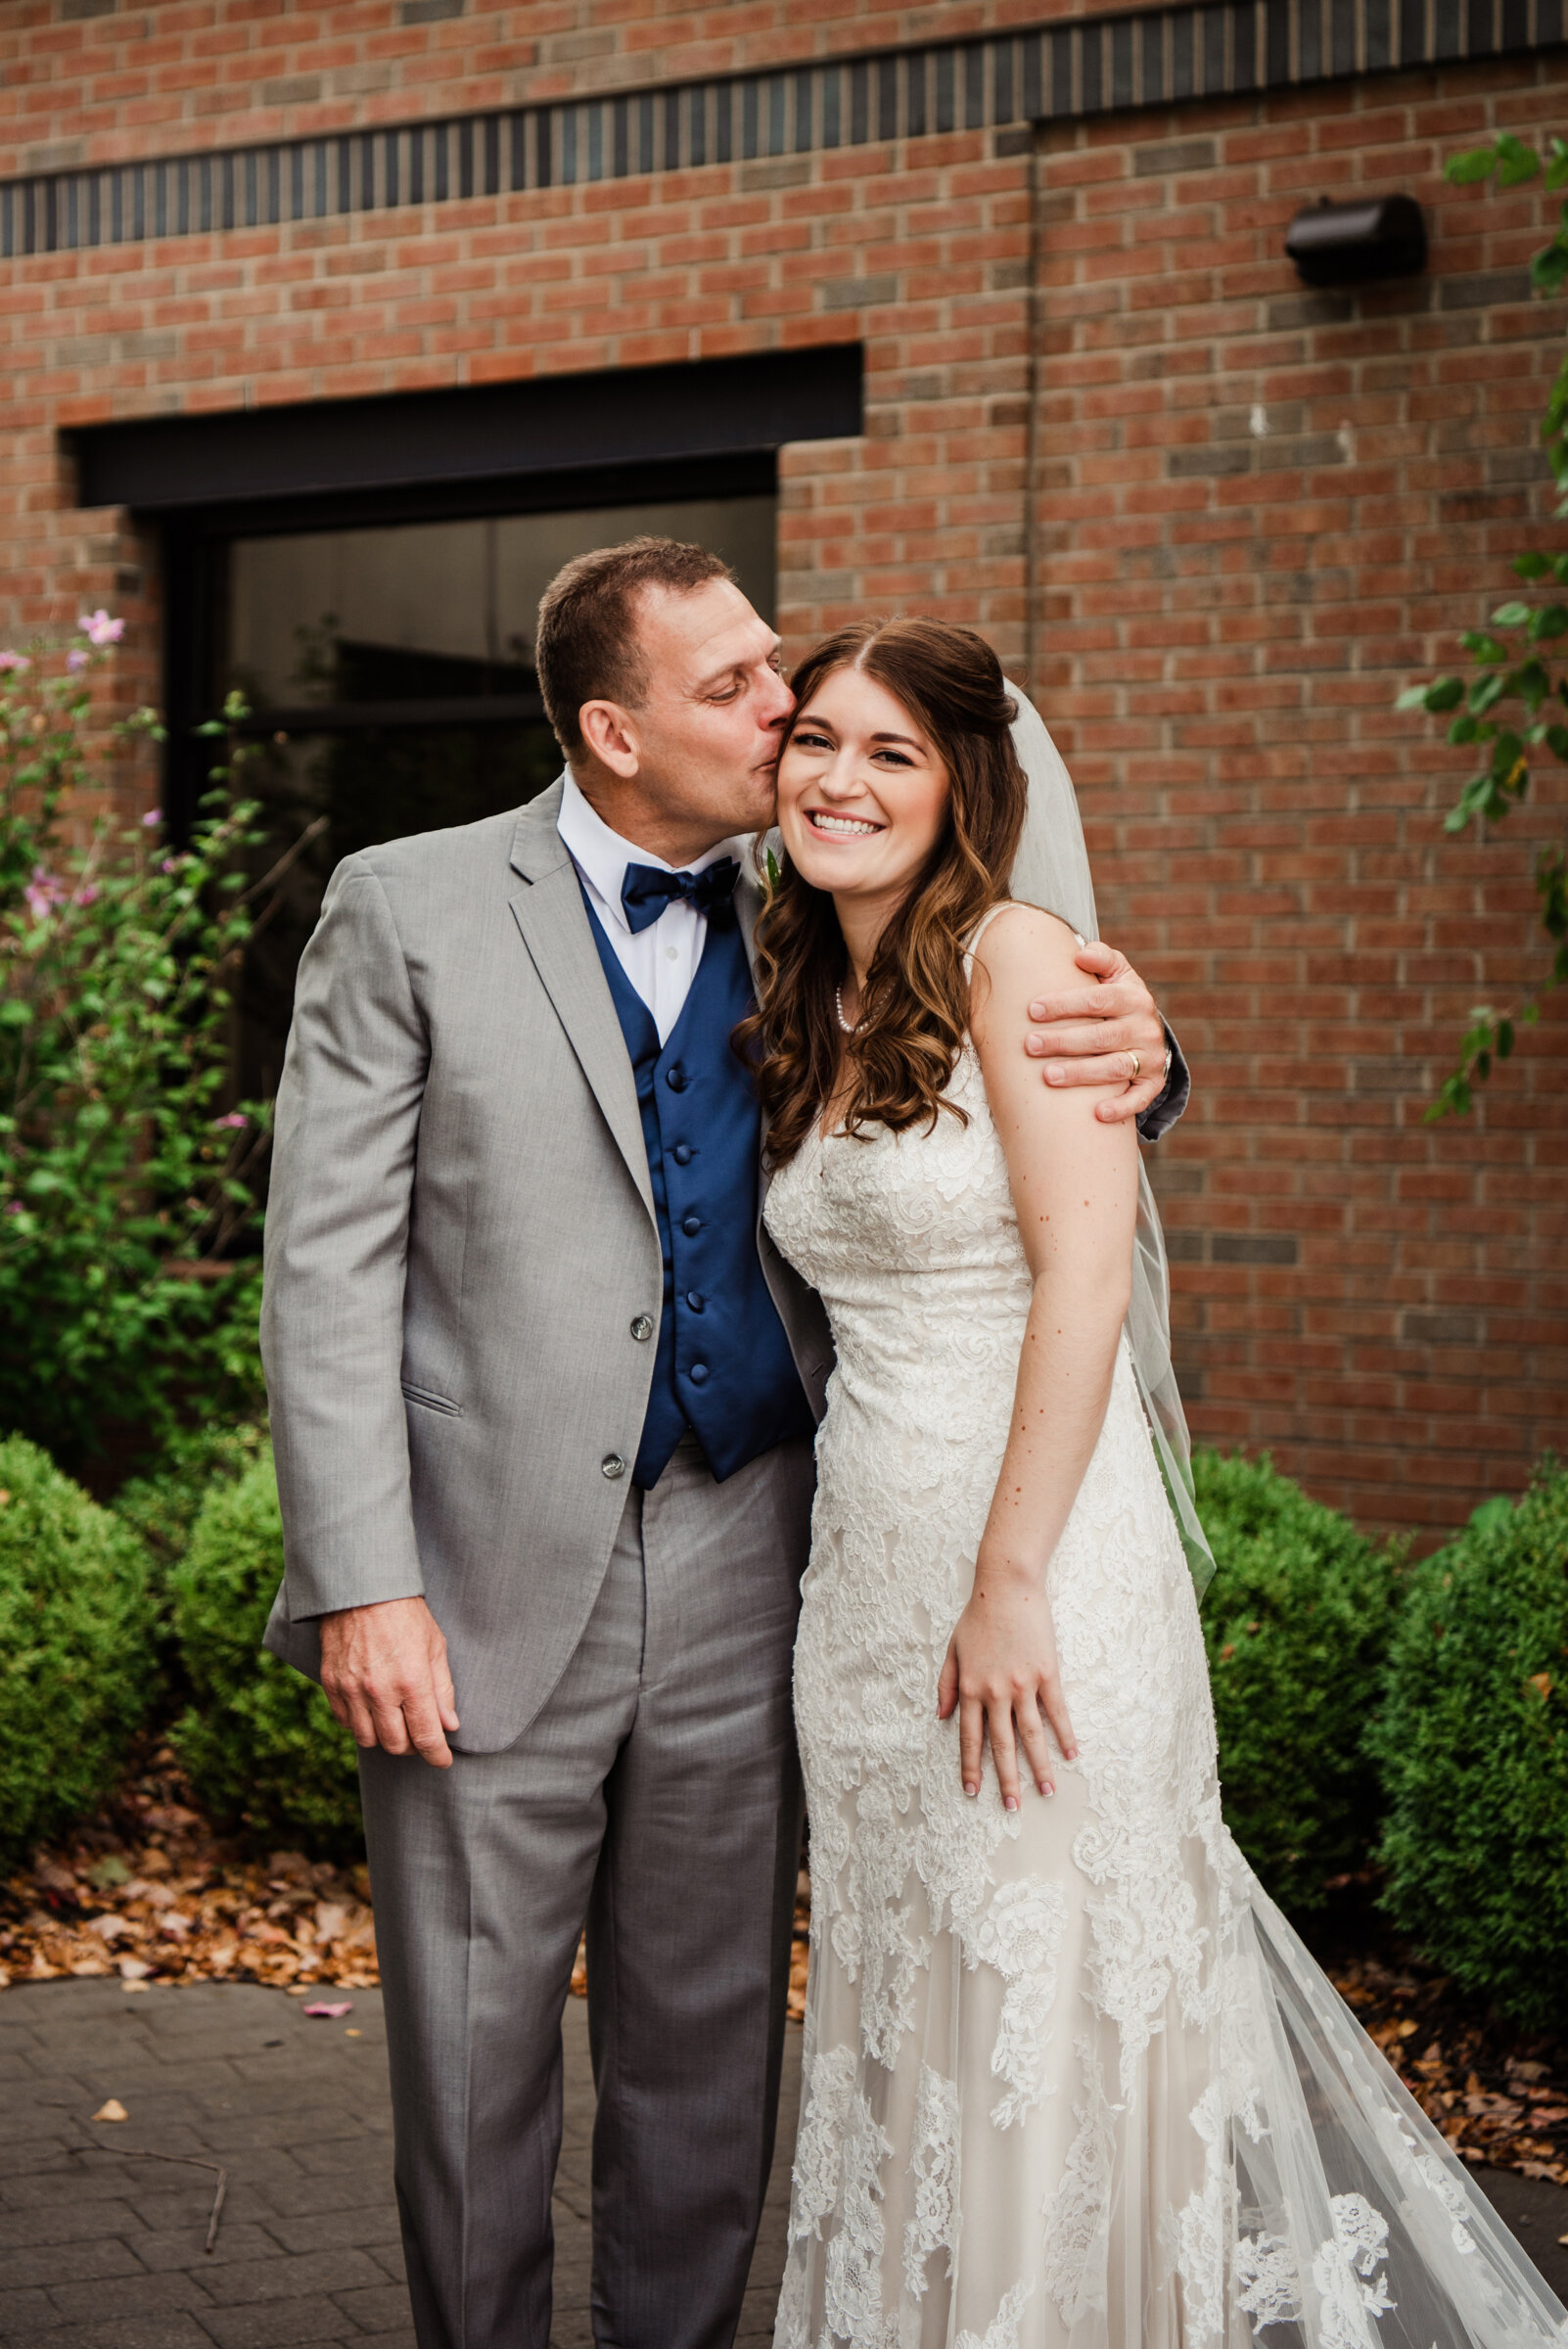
{"x": 1347, "y": 244}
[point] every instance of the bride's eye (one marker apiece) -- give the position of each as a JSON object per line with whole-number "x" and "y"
{"x": 805, "y": 738}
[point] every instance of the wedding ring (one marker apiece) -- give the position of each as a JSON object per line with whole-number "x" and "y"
{"x": 1136, "y": 1066}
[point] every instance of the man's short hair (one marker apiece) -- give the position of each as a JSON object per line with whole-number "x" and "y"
{"x": 587, "y": 648}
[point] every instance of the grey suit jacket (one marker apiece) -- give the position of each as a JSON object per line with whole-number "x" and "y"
{"x": 460, "y": 1236}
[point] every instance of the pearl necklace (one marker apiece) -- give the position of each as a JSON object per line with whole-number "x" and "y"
{"x": 850, "y": 1027}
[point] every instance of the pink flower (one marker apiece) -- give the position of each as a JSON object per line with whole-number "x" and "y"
{"x": 43, "y": 893}
{"x": 152, "y": 820}
{"x": 100, "y": 629}
{"x": 75, "y": 660}
{"x": 85, "y": 895}
{"x": 236, "y": 1118}
{"x": 171, "y": 864}
{"x": 15, "y": 661}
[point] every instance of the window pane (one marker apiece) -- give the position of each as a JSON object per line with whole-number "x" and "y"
{"x": 436, "y": 610}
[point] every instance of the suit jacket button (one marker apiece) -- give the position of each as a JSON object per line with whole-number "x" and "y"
{"x": 612, "y": 1465}
{"x": 642, "y": 1327}
{"x": 698, "y": 1374}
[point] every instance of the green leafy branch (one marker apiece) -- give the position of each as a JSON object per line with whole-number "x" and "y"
{"x": 1515, "y": 708}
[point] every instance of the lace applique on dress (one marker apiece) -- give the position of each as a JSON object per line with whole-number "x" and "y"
{"x": 1166, "y": 2054}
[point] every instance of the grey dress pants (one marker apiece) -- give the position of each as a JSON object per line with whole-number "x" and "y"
{"x": 656, "y": 1797}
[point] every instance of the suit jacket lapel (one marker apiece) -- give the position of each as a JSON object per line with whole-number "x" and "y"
{"x": 553, "y": 920}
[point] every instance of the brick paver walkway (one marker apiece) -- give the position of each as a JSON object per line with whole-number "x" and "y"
{"x": 100, "y": 2251}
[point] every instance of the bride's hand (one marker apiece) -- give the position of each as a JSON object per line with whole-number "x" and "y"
{"x": 1001, "y": 1675}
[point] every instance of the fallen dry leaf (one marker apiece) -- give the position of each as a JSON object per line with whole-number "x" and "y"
{"x": 150, "y": 1890}
{"x": 113, "y": 2110}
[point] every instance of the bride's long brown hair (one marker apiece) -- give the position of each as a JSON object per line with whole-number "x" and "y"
{"x": 916, "y": 1006}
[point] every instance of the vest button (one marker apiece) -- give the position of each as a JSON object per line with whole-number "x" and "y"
{"x": 642, "y": 1328}
{"x": 696, "y": 1300}
{"x": 698, "y": 1374}
{"x": 612, "y": 1465}
{"x": 681, "y": 1154}
{"x": 691, "y": 1226}
{"x": 675, "y": 1079}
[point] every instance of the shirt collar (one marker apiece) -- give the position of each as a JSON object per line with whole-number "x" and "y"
{"x": 602, "y": 856}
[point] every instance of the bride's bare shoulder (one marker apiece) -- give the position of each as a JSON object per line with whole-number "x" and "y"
{"x": 1020, "y": 952}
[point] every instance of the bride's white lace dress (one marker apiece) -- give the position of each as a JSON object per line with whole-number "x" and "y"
{"x": 1069, "y": 2076}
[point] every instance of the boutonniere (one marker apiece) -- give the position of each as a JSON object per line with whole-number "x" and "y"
{"x": 771, "y": 865}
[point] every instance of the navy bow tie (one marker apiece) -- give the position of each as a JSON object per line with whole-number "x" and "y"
{"x": 646, "y": 889}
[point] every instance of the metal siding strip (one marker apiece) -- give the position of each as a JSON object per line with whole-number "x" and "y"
{"x": 1515, "y": 32}
{"x": 544, "y": 147}
{"x": 775, "y": 87}
{"x": 1003, "y": 82}
{"x": 724, "y": 126}
{"x": 493, "y": 154}
{"x": 1033, "y": 99}
{"x": 696, "y": 113}
{"x": 1548, "y": 23}
{"x": 1121, "y": 61}
{"x": 465, "y": 159}
{"x": 117, "y": 205}
{"x": 1310, "y": 40}
{"x": 1277, "y": 42}
{"x": 646, "y": 131}
{"x": 569, "y": 146}
{"x": 671, "y": 147}
{"x": 860, "y": 104}
{"x": 1379, "y": 20}
{"x": 1214, "y": 51}
{"x": 1090, "y": 72}
{"x": 887, "y": 96}
{"x": 1342, "y": 37}
{"x": 1181, "y": 30}
{"x": 1244, "y": 46}
{"x": 914, "y": 94}
{"x": 973, "y": 87}
{"x": 1446, "y": 29}
{"x": 832, "y": 81}
{"x": 804, "y": 111}
{"x": 1063, "y": 96}
{"x": 95, "y": 208}
{"x": 946, "y": 91}
{"x": 1481, "y": 38}
{"x": 441, "y": 141}
{"x": 750, "y": 97}
{"x": 8, "y": 227}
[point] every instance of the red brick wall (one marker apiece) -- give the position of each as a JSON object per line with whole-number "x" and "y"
{"x": 1261, "y": 510}
{"x": 1223, "y": 618}
{"x": 97, "y": 81}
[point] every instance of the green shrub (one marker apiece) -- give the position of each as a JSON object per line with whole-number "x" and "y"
{"x": 1473, "y": 1742}
{"x": 79, "y": 1668}
{"x": 162, "y": 1506}
{"x": 1297, "y": 1622}
{"x": 259, "y": 1740}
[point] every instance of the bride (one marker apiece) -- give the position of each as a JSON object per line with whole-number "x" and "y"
{"x": 1070, "y": 2078}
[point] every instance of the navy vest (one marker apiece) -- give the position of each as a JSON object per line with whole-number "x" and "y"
{"x": 723, "y": 1367}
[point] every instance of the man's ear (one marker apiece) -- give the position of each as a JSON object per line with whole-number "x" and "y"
{"x": 610, "y": 735}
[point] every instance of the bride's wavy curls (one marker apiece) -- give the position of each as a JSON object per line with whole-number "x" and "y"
{"x": 915, "y": 1007}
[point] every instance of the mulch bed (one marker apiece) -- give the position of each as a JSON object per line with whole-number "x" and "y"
{"x": 150, "y": 1891}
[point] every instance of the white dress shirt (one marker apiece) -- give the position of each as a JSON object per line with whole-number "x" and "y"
{"x": 661, "y": 961}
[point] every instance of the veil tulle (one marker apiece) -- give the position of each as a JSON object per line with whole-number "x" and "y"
{"x": 1051, "y": 870}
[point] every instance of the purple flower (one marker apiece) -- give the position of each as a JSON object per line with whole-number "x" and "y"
{"x": 15, "y": 661}
{"x": 171, "y": 864}
{"x": 100, "y": 629}
{"x": 75, "y": 660}
{"x": 86, "y": 894}
{"x": 152, "y": 820}
{"x": 236, "y": 1118}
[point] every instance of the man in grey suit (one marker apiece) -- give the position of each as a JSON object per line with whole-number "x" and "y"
{"x": 542, "y": 1397}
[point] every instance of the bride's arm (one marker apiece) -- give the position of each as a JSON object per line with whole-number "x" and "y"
{"x": 1075, "y": 1188}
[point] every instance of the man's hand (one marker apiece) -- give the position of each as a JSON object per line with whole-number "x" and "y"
{"x": 1107, "y": 1034}
{"x": 383, "y": 1670}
